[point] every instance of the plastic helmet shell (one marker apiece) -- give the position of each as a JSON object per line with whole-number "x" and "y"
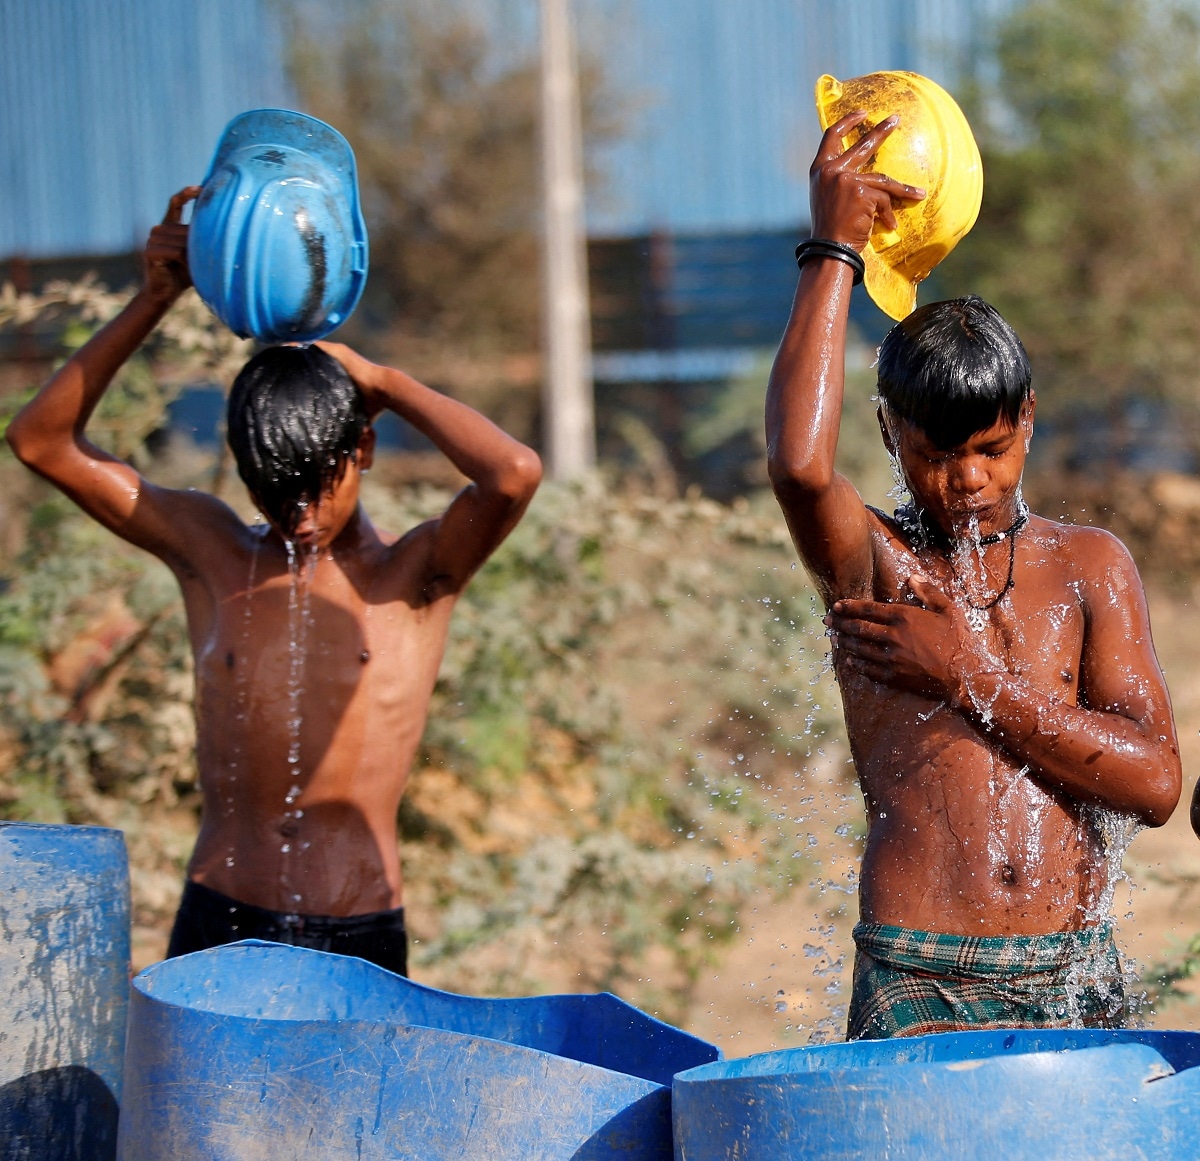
{"x": 277, "y": 244}
{"x": 933, "y": 148}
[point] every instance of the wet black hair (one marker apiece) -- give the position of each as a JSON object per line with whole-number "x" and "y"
{"x": 953, "y": 368}
{"x": 294, "y": 421}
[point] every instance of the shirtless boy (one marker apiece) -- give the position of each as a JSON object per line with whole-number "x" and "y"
{"x": 1000, "y": 687}
{"x": 316, "y": 637}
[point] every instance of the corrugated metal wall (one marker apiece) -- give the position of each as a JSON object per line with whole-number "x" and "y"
{"x": 727, "y": 127}
{"x": 108, "y": 106}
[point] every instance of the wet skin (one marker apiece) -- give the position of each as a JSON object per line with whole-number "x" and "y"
{"x": 981, "y": 750}
{"x": 318, "y": 835}
{"x": 371, "y": 652}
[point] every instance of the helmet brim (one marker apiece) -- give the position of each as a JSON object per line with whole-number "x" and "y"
{"x": 265, "y": 129}
{"x": 890, "y": 290}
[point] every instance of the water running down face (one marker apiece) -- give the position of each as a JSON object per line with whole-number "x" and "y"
{"x": 969, "y": 491}
{"x": 312, "y": 525}
{"x": 956, "y": 412}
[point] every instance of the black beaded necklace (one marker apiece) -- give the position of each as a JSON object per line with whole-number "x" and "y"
{"x": 1011, "y": 534}
{"x": 922, "y": 533}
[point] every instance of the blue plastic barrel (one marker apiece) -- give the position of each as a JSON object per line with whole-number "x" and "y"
{"x": 259, "y": 1050}
{"x": 64, "y": 977}
{"x": 1026, "y": 1095}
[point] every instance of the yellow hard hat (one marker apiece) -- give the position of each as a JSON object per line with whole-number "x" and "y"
{"x": 933, "y": 148}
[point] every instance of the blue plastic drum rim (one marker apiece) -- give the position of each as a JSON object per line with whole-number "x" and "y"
{"x": 306, "y": 1052}
{"x": 277, "y": 245}
{"x": 1022, "y": 1094}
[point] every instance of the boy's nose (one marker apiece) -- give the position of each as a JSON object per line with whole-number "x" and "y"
{"x": 969, "y": 476}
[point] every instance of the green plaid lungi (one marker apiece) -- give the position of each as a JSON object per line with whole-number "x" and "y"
{"x": 909, "y": 983}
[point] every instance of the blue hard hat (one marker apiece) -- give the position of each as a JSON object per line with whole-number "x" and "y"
{"x": 277, "y": 246}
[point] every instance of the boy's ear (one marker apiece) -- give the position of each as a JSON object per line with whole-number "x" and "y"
{"x": 1025, "y": 419}
{"x": 366, "y": 449}
{"x": 888, "y": 441}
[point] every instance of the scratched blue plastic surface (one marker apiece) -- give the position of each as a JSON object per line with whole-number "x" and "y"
{"x": 64, "y": 979}
{"x": 261, "y": 1050}
{"x": 1066, "y": 1095}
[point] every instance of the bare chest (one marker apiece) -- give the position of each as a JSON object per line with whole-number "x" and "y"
{"x": 323, "y": 634}
{"x": 1020, "y": 600}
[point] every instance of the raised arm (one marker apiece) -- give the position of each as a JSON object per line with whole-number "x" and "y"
{"x": 1116, "y": 747}
{"x": 504, "y": 473}
{"x": 825, "y": 514}
{"x": 48, "y": 433}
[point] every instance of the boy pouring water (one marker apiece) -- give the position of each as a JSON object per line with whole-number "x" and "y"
{"x": 316, "y": 637}
{"x": 1000, "y": 686}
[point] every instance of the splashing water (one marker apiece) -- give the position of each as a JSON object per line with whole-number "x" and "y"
{"x": 1123, "y": 995}
{"x": 899, "y": 491}
{"x": 241, "y": 692}
{"x": 1116, "y": 831}
{"x": 300, "y": 573}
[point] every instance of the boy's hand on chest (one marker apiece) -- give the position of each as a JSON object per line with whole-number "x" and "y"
{"x": 922, "y": 644}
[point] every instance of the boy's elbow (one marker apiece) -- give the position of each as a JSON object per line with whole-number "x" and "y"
{"x": 521, "y": 475}
{"x": 41, "y": 448}
{"x": 1157, "y": 814}
{"x": 1164, "y": 798}
{"x": 22, "y": 439}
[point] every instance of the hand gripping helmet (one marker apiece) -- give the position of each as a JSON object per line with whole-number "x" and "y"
{"x": 933, "y": 148}
{"x": 277, "y": 245}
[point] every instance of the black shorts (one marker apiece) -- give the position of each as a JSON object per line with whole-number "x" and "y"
{"x": 206, "y": 918}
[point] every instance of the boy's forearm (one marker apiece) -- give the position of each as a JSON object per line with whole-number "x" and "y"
{"x": 1095, "y": 755}
{"x": 483, "y": 452}
{"x": 804, "y": 393}
{"x": 61, "y": 409}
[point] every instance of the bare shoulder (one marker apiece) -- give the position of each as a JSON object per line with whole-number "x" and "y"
{"x": 895, "y": 537}
{"x": 408, "y": 560}
{"x": 890, "y": 528}
{"x": 199, "y": 511}
{"x": 186, "y": 528}
{"x": 1096, "y": 559}
{"x": 1093, "y": 549}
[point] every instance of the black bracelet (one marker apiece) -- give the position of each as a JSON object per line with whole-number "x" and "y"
{"x": 827, "y": 248}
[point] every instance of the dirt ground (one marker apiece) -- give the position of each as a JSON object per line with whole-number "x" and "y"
{"x": 785, "y": 980}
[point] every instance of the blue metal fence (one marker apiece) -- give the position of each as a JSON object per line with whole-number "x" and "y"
{"x": 106, "y": 106}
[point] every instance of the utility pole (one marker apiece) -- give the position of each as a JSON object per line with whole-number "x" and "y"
{"x": 569, "y": 435}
